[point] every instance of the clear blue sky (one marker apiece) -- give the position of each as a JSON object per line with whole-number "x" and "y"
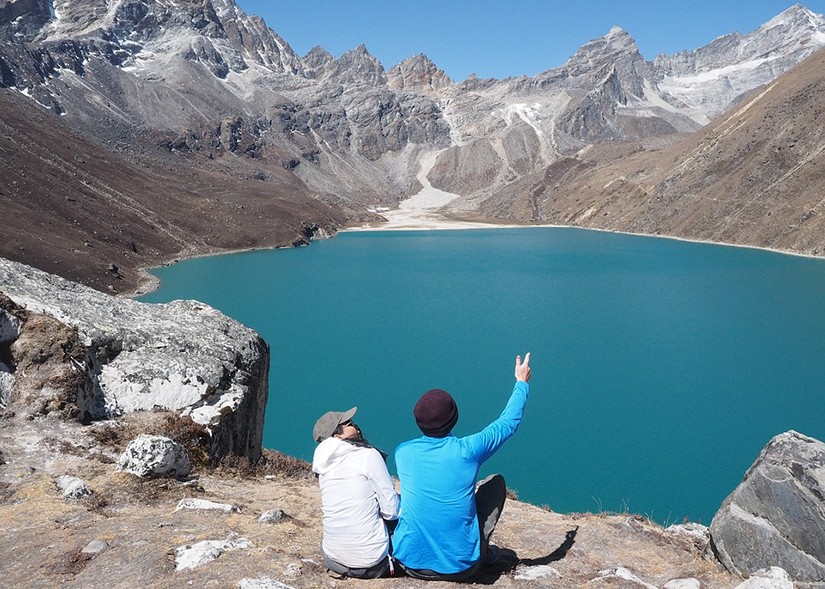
{"x": 500, "y": 38}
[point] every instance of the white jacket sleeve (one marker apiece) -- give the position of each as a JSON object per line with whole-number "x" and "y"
{"x": 379, "y": 477}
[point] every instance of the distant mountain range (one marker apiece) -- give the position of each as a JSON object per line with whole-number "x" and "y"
{"x": 137, "y": 131}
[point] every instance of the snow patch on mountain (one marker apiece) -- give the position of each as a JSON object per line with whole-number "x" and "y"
{"x": 722, "y": 85}
{"x": 529, "y": 113}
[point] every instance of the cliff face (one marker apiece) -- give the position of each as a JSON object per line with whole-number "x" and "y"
{"x": 120, "y": 356}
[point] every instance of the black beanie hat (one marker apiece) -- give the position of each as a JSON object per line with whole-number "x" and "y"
{"x": 436, "y": 413}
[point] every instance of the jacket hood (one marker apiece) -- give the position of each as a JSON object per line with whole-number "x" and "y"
{"x": 331, "y": 452}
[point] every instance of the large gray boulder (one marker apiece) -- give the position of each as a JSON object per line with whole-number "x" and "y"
{"x": 776, "y": 516}
{"x": 183, "y": 356}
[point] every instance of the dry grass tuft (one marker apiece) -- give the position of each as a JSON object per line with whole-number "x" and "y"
{"x": 192, "y": 436}
{"x": 126, "y": 489}
{"x": 272, "y": 463}
{"x": 114, "y": 434}
{"x": 72, "y": 563}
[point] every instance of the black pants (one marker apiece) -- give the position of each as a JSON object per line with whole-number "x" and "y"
{"x": 382, "y": 569}
{"x": 490, "y": 496}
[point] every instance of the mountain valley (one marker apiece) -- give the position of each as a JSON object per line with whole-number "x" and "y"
{"x": 136, "y": 133}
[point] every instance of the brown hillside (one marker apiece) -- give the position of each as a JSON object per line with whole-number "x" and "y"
{"x": 754, "y": 176}
{"x": 73, "y": 208}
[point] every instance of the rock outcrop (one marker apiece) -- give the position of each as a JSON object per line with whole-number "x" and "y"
{"x": 776, "y": 516}
{"x": 124, "y": 356}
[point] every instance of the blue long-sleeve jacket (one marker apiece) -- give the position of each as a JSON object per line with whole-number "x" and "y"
{"x": 437, "y": 527}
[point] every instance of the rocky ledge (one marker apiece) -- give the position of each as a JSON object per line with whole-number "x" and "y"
{"x": 92, "y": 356}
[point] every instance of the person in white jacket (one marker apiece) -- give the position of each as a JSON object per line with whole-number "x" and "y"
{"x": 357, "y": 496}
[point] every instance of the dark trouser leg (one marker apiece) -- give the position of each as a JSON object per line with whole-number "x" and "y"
{"x": 490, "y": 496}
{"x": 381, "y": 569}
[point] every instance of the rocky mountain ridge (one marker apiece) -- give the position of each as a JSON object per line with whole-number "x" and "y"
{"x": 752, "y": 177}
{"x": 206, "y": 93}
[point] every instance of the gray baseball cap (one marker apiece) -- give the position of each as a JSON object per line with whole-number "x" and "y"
{"x": 329, "y": 421}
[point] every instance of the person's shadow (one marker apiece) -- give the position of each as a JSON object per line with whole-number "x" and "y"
{"x": 509, "y": 560}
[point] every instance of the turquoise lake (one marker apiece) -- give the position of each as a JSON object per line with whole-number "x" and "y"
{"x": 660, "y": 367}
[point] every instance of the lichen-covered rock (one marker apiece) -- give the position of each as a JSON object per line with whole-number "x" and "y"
{"x": 9, "y": 327}
{"x": 154, "y": 456}
{"x": 6, "y": 385}
{"x": 9, "y": 332}
{"x": 183, "y": 356}
{"x": 697, "y": 533}
{"x": 776, "y": 516}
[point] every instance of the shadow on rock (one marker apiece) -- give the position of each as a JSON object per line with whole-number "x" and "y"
{"x": 509, "y": 560}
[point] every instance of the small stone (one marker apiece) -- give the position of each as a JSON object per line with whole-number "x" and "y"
{"x": 95, "y": 547}
{"x": 623, "y": 574}
{"x": 6, "y": 385}
{"x": 690, "y": 529}
{"x": 273, "y": 516}
{"x": 262, "y": 583}
{"x": 191, "y": 503}
{"x": 541, "y": 571}
{"x": 690, "y": 583}
{"x": 72, "y": 488}
{"x": 770, "y": 578}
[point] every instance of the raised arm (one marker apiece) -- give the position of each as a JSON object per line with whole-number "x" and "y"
{"x": 485, "y": 443}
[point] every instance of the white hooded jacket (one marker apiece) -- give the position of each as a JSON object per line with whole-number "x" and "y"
{"x": 357, "y": 493}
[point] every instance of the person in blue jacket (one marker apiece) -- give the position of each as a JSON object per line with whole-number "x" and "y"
{"x": 445, "y": 524}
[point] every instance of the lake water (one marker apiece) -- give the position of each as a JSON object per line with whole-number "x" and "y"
{"x": 660, "y": 367}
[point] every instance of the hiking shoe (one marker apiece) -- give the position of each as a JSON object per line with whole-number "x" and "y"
{"x": 492, "y": 556}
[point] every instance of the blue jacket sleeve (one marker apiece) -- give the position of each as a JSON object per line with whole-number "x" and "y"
{"x": 485, "y": 443}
